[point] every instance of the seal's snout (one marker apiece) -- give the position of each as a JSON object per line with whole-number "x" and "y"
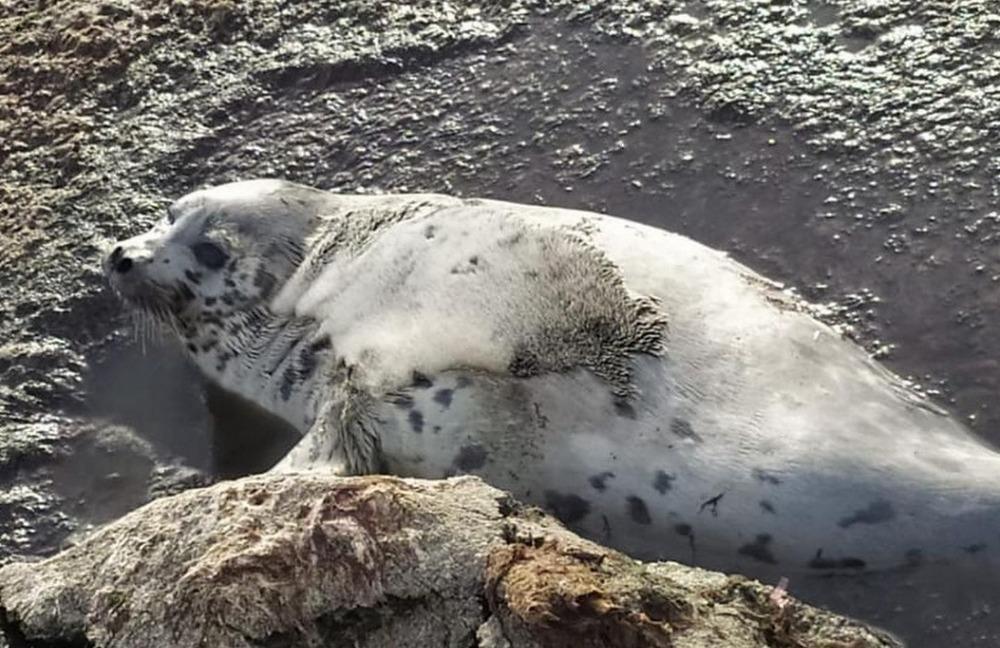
{"x": 118, "y": 262}
{"x": 128, "y": 255}
{"x": 127, "y": 266}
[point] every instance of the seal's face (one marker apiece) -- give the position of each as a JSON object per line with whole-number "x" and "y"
{"x": 219, "y": 254}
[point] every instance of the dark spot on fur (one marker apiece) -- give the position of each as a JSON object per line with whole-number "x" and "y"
{"x": 186, "y": 293}
{"x": 767, "y": 506}
{"x": 974, "y": 548}
{"x": 759, "y": 549}
{"x": 416, "y": 421}
{"x": 443, "y": 397}
{"x": 321, "y": 344}
{"x": 192, "y": 348}
{"x": 193, "y": 277}
{"x": 819, "y": 562}
{"x": 597, "y": 481}
{"x": 765, "y": 477}
{"x": 429, "y": 232}
{"x": 307, "y": 362}
{"x": 471, "y": 457}
{"x": 877, "y": 512}
{"x": 512, "y": 240}
{"x": 421, "y": 381}
{"x": 625, "y": 410}
{"x": 567, "y": 508}
{"x": 662, "y": 482}
{"x": 264, "y": 281}
{"x": 638, "y": 511}
{"x": 210, "y": 301}
{"x": 683, "y": 529}
{"x": 469, "y": 268}
{"x": 683, "y": 429}
{"x": 712, "y": 503}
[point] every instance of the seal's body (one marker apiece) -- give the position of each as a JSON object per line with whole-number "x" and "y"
{"x": 651, "y": 392}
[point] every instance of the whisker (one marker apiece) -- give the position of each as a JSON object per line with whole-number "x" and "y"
{"x": 147, "y": 331}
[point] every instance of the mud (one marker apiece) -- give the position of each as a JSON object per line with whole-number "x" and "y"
{"x": 843, "y": 148}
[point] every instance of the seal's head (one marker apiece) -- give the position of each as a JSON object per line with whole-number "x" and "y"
{"x": 218, "y": 256}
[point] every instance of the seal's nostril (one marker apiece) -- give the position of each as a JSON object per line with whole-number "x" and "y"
{"x": 123, "y": 265}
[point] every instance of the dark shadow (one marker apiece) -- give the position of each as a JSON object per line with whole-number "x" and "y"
{"x": 160, "y": 395}
{"x": 157, "y": 393}
{"x": 246, "y": 439}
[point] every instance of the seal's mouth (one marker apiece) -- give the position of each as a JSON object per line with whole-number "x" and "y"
{"x": 149, "y": 307}
{"x": 150, "y": 301}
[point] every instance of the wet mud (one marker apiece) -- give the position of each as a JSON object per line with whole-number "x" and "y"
{"x": 844, "y": 148}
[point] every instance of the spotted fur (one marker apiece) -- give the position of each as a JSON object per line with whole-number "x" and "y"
{"x": 648, "y": 391}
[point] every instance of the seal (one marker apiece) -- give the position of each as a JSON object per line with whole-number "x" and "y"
{"x": 651, "y": 392}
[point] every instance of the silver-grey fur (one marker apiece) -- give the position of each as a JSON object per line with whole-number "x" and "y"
{"x": 653, "y": 393}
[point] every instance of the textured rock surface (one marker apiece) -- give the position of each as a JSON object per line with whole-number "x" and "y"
{"x": 844, "y": 147}
{"x": 317, "y": 561}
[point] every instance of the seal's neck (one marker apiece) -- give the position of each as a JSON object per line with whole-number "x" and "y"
{"x": 273, "y": 360}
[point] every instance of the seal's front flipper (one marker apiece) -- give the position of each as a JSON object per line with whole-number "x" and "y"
{"x": 317, "y": 451}
{"x": 343, "y": 440}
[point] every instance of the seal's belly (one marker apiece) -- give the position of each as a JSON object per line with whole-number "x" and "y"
{"x": 636, "y": 476}
{"x": 659, "y": 479}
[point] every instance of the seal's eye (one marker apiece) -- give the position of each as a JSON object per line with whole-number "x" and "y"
{"x": 209, "y": 255}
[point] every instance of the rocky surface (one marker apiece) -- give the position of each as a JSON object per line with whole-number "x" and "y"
{"x": 842, "y": 147}
{"x": 321, "y": 561}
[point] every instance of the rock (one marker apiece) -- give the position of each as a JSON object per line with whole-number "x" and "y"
{"x": 310, "y": 560}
